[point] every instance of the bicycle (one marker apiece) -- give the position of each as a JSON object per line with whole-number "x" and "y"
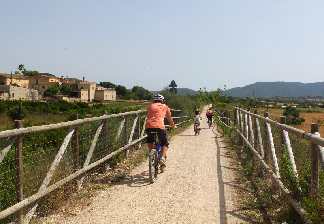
{"x": 155, "y": 155}
{"x": 210, "y": 122}
{"x": 196, "y": 129}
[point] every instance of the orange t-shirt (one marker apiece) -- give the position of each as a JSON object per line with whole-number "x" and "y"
{"x": 156, "y": 112}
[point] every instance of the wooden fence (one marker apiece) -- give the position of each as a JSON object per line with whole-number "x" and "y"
{"x": 82, "y": 144}
{"x": 257, "y": 134}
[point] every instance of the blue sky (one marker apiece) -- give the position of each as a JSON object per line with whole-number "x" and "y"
{"x": 199, "y": 43}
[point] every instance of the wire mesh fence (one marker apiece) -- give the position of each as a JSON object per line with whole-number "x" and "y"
{"x": 53, "y": 155}
{"x": 292, "y": 156}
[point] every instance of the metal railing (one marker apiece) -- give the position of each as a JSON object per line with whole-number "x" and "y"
{"x": 268, "y": 140}
{"x": 42, "y": 159}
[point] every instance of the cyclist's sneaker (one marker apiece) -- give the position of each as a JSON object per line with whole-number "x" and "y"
{"x": 162, "y": 165}
{"x": 162, "y": 162}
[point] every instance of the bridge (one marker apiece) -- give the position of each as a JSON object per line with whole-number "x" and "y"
{"x": 200, "y": 184}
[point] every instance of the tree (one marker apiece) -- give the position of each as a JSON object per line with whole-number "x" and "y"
{"x": 122, "y": 91}
{"x": 173, "y": 87}
{"x": 292, "y": 115}
{"x": 52, "y": 90}
{"x": 31, "y": 73}
{"x": 141, "y": 93}
{"x": 107, "y": 84}
{"x": 65, "y": 90}
{"x": 22, "y": 70}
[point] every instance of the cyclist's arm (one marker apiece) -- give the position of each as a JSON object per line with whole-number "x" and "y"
{"x": 169, "y": 118}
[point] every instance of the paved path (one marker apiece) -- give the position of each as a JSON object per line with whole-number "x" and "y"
{"x": 197, "y": 187}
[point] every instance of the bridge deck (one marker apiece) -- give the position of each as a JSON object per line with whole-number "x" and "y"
{"x": 197, "y": 187}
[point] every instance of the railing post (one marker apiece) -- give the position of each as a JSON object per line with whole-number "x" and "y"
{"x": 19, "y": 170}
{"x": 125, "y": 135}
{"x": 235, "y": 117}
{"x": 130, "y": 139}
{"x": 259, "y": 135}
{"x": 246, "y": 126}
{"x": 250, "y": 126}
{"x": 283, "y": 120}
{"x": 76, "y": 146}
{"x": 241, "y": 122}
{"x": 139, "y": 129}
{"x": 105, "y": 132}
{"x": 314, "y": 184}
{"x": 258, "y": 143}
{"x": 125, "y": 130}
{"x": 286, "y": 142}
{"x": 239, "y": 127}
{"x": 272, "y": 149}
{"x": 251, "y": 139}
{"x": 266, "y": 140}
{"x": 227, "y": 115}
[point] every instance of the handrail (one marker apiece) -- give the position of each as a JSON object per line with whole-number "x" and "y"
{"x": 136, "y": 130}
{"x": 306, "y": 135}
{"x": 20, "y": 131}
{"x": 243, "y": 126}
{"x": 32, "y": 199}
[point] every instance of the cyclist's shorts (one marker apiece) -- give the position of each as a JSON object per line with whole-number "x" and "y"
{"x": 163, "y": 140}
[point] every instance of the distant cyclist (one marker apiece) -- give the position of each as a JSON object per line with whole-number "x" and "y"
{"x": 197, "y": 122}
{"x": 156, "y": 112}
{"x": 209, "y": 115}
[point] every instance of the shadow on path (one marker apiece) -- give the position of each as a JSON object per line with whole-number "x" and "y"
{"x": 137, "y": 180}
{"x": 223, "y": 212}
{"x": 221, "y": 189}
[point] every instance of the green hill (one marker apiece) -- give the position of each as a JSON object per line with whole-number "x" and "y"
{"x": 278, "y": 89}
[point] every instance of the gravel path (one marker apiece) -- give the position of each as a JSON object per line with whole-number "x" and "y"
{"x": 197, "y": 187}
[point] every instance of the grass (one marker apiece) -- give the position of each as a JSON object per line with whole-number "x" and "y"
{"x": 273, "y": 202}
{"x": 41, "y": 113}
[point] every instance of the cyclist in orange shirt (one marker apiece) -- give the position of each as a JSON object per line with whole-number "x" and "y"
{"x": 156, "y": 112}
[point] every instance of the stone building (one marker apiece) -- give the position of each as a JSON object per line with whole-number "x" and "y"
{"x": 104, "y": 94}
{"x": 43, "y": 81}
{"x": 13, "y": 79}
{"x": 11, "y": 92}
{"x": 81, "y": 86}
{"x": 79, "y": 95}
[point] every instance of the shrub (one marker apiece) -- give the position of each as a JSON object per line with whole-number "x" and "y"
{"x": 52, "y": 91}
{"x": 292, "y": 115}
{"x": 17, "y": 113}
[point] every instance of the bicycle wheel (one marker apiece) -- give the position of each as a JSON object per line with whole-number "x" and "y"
{"x": 152, "y": 165}
{"x": 157, "y": 161}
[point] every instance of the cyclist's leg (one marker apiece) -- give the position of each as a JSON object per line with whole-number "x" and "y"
{"x": 150, "y": 139}
{"x": 165, "y": 144}
{"x": 165, "y": 151}
{"x": 150, "y": 146}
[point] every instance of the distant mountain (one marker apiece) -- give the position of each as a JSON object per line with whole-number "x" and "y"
{"x": 281, "y": 89}
{"x": 183, "y": 92}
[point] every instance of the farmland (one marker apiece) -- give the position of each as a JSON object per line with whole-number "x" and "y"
{"x": 310, "y": 116}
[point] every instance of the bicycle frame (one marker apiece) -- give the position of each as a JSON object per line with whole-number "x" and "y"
{"x": 154, "y": 158}
{"x": 158, "y": 147}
